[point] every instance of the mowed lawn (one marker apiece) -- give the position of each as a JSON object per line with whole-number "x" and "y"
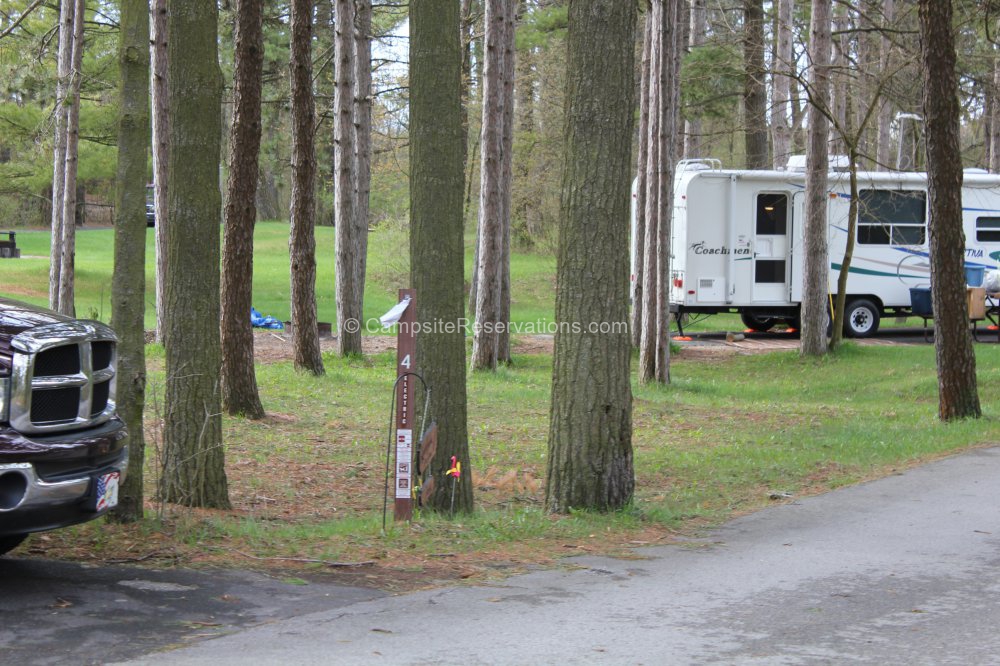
{"x": 730, "y": 432}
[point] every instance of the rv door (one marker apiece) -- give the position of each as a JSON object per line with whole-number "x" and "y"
{"x": 771, "y": 247}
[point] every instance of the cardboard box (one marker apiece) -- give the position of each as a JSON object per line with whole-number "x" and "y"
{"x": 976, "y": 298}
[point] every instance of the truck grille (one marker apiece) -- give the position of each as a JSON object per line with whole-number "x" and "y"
{"x": 63, "y": 377}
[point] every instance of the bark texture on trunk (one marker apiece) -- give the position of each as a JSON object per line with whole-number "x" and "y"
{"x": 781, "y": 71}
{"x": 490, "y": 256}
{"x": 128, "y": 285}
{"x": 302, "y": 238}
{"x": 816, "y": 288}
{"x": 883, "y": 130}
{"x": 754, "y": 91}
{"x": 436, "y": 233}
{"x": 506, "y": 183}
{"x": 363, "y": 142}
{"x": 161, "y": 136}
{"x": 66, "y": 17}
{"x": 650, "y": 264}
{"x": 348, "y": 240}
{"x": 67, "y": 257}
{"x": 698, "y": 32}
{"x": 637, "y": 242}
{"x": 194, "y": 470}
{"x": 590, "y": 426}
{"x": 239, "y": 379}
{"x": 958, "y": 395}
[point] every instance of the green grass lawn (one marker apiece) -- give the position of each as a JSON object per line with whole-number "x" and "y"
{"x": 533, "y": 289}
{"x": 306, "y": 482}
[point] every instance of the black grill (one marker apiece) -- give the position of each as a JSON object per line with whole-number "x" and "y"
{"x": 63, "y": 360}
{"x": 102, "y": 352}
{"x": 55, "y": 405}
{"x": 100, "y": 398}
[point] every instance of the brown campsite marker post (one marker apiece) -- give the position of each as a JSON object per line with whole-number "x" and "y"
{"x": 406, "y": 351}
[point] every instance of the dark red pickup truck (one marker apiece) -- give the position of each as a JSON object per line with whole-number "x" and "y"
{"x": 62, "y": 448}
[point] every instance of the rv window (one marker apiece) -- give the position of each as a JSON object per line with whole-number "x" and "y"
{"x": 769, "y": 271}
{"x": 889, "y": 217}
{"x": 772, "y": 211}
{"x": 988, "y": 229}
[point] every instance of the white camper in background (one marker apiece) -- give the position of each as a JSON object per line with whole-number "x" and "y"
{"x": 736, "y": 241}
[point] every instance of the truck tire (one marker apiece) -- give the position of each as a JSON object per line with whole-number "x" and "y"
{"x": 755, "y": 323}
{"x": 10, "y": 542}
{"x": 861, "y": 319}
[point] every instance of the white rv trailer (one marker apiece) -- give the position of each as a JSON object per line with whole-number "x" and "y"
{"x": 737, "y": 246}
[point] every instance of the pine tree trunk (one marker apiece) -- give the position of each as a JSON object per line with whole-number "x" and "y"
{"x": 363, "y": 142}
{"x": 436, "y": 233}
{"x": 485, "y": 337}
{"x": 506, "y": 183}
{"x": 783, "y": 67}
{"x": 958, "y": 395}
{"x": 994, "y": 133}
{"x": 302, "y": 238}
{"x": 67, "y": 260}
{"x": 239, "y": 380}
{"x": 883, "y": 130}
{"x": 66, "y": 16}
{"x": 668, "y": 72}
{"x": 650, "y": 264}
{"x": 697, "y": 36}
{"x": 839, "y": 80}
{"x": 161, "y": 134}
{"x": 815, "y": 292}
{"x": 590, "y": 427}
{"x": 128, "y": 285}
{"x": 754, "y": 92}
{"x": 194, "y": 470}
{"x": 348, "y": 240}
{"x": 639, "y": 232}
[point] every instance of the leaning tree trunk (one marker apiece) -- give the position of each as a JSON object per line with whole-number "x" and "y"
{"x": 485, "y": 337}
{"x": 128, "y": 284}
{"x": 194, "y": 469}
{"x": 816, "y": 289}
{"x": 239, "y": 379}
{"x": 302, "y": 238}
{"x": 958, "y": 396}
{"x": 436, "y": 233}
{"x": 590, "y": 425}
{"x": 348, "y": 241}
{"x": 66, "y": 16}
{"x": 161, "y": 130}
{"x": 67, "y": 270}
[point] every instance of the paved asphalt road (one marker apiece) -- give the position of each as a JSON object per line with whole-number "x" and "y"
{"x": 905, "y": 570}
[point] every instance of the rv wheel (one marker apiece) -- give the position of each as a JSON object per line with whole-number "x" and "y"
{"x": 861, "y": 319}
{"x": 759, "y": 324}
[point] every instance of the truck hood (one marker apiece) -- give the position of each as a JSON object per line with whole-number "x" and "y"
{"x": 16, "y": 317}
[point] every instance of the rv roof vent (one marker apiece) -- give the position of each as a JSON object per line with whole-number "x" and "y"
{"x": 974, "y": 170}
{"x": 796, "y": 163}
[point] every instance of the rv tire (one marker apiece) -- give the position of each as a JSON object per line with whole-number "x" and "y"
{"x": 755, "y": 323}
{"x": 861, "y": 319}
